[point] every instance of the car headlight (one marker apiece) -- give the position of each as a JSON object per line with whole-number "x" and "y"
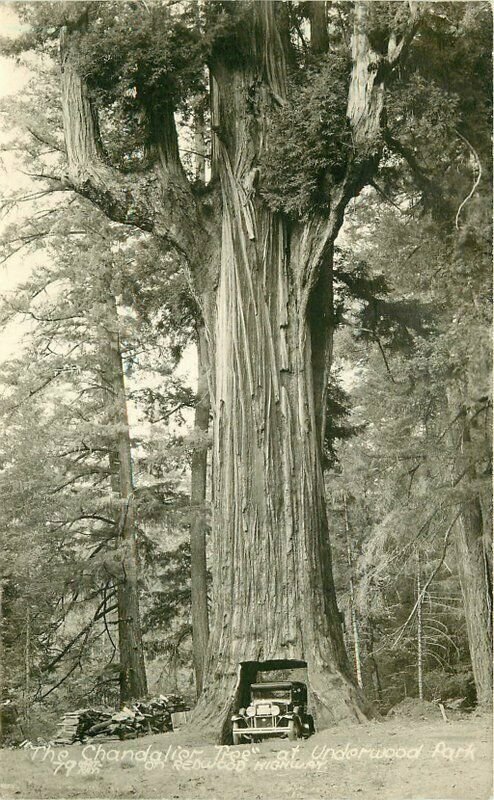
{"x": 275, "y": 710}
{"x": 250, "y": 711}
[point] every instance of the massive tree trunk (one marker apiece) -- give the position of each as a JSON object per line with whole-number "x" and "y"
{"x": 264, "y": 284}
{"x": 475, "y": 580}
{"x": 273, "y": 593}
{"x": 133, "y": 684}
{"x": 475, "y": 587}
{"x": 472, "y": 549}
{"x": 198, "y": 522}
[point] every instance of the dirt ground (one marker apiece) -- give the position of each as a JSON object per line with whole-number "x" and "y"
{"x": 394, "y": 759}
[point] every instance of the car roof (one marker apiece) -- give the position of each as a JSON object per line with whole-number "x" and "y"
{"x": 278, "y": 685}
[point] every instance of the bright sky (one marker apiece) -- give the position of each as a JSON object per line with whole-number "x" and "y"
{"x": 12, "y": 79}
{"x": 12, "y": 76}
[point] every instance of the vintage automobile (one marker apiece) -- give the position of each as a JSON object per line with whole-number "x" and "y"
{"x": 276, "y": 709}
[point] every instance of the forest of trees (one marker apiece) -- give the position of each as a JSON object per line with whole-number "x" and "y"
{"x": 295, "y": 198}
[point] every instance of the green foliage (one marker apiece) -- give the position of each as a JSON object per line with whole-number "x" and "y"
{"x": 42, "y": 23}
{"x": 440, "y": 106}
{"x": 174, "y": 598}
{"x": 399, "y": 470}
{"x": 385, "y": 18}
{"x": 420, "y": 334}
{"x": 309, "y": 140}
{"x": 338, "y": 426}
{"x": 377, "y": 318}
{"x": 415, "y": 292}
{"x": 139, "y": 63}
{"x": 453, "y": 51}
{"x": 61, "y": 430}
{"x": 224, "y": 28}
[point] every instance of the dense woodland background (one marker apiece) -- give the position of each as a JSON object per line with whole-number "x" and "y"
{"x": 100, "y": 431}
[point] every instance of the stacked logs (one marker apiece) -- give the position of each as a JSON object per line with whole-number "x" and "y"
{"x": 145, "y": 716}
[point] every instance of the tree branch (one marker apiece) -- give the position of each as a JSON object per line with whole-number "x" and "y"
{"x": 365, "y": 112}
{"x": 50, "y": 141}
{"x": 430, "y": 191}
{"x": 396, "y": 47}
{"x": 428, "y": 582}
{"x": 159, "y": 200}
{"x": 476, "y": 178}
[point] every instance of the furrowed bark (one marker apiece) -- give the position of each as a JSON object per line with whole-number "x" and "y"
{"x": 473, "y": 561}
{"x": 198, "y": 524}
{"x": 370, "y": 70}
{"x": 474, "y": 580}
{"x": 273, "y": 595}
{"x": 199, "y": 122}
{"x": 319, "y": 40}
{"x": 133, "y": 683}
{"x": 366, "y": 93}
{"x": 266, "y": 296}
{"x": 273, "y": 592}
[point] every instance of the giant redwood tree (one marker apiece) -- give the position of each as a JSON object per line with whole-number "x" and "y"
{"x": 297, "y": 118}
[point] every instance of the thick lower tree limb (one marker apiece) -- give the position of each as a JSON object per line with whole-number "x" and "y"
{"x": 160, "y": 199}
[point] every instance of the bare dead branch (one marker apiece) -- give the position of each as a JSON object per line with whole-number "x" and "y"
{"x": 476, "y": 181}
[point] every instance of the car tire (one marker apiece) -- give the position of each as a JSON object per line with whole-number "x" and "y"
{"x": 293, "y": 730}
{"x": 236, "y": 734}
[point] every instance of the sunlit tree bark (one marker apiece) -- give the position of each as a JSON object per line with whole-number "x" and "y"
{"x": 264, "y": 286}
{"x": 133, "y": 683}
{"x": 198, "y": 523}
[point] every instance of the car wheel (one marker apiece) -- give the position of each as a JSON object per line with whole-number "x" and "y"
{"x": 236, "y": 734}
{"x": 292, "y": 730}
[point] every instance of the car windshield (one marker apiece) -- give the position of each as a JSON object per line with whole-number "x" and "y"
{"x": 271, "y": 694}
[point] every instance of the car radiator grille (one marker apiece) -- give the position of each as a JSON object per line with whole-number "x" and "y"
{"x": 264, "y": 722}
